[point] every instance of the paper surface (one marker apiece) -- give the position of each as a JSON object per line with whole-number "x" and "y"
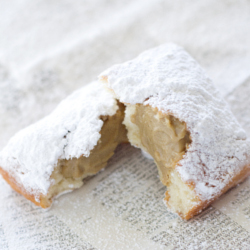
{"x": 50, "y": 48}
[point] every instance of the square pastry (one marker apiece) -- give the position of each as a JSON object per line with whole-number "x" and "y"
{"x": 175, "y": 113}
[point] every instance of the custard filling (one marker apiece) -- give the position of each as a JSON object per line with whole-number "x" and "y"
{"x": 69, "y": 174}
{"x": 166, "y": 139}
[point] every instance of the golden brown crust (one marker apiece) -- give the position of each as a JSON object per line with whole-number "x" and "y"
{"x": 21, "y": 190}
{"x": 202, "y": 205}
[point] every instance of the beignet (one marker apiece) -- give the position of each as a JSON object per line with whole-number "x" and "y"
{"x": 175, "y": 113}
{"x": 55, "y": 154}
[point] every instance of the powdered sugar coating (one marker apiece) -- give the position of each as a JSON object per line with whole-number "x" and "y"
{"x": 168, "y": 78}
{"x": 71, "y": 130}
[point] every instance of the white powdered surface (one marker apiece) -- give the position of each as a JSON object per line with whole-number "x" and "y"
{"x": 50, "y": 48}
{"x": 71, "y": 130}
{"x": 169, "y": 79}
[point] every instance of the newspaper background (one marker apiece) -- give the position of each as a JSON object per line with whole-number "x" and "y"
{"x": 50, "y": 48}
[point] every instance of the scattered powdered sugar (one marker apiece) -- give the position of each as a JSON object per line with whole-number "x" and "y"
{"x": 71, "y": 130}
{"x": 169, "y": 79}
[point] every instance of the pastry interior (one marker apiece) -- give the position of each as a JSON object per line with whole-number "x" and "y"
{"x": 166, "y": 139}
{"x": 69, "y": 174}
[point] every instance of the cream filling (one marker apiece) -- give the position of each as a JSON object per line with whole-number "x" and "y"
{"x": 166, "y": 139}
{"x": 69, "y": 174}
